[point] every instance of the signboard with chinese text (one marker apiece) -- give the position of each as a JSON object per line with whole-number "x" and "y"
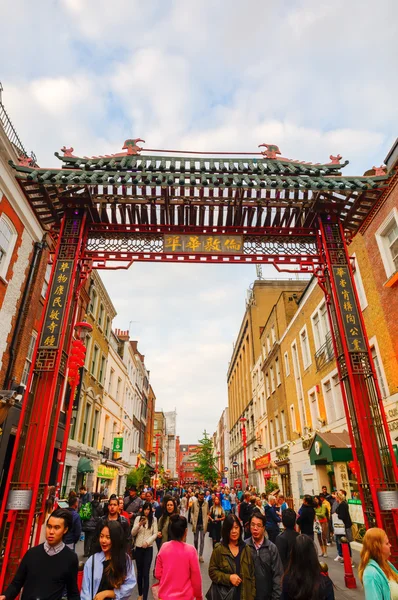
{"x": 349, "y": 311}
{"x": 118, "y": 444}
{"x": 263, "y": 462}
{"x": 106, "y": 472}
{"x": 56, "y": 305}
{"x": 203, "y": 244}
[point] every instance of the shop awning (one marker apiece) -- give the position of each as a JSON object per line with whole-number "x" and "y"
{"x": 85, "y": 465}
{"x": 327, "y": 448}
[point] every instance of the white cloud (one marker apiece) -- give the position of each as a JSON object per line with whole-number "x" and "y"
{"x": 316, "y": 79}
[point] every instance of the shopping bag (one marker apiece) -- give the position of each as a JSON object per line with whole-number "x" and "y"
{"x": 338, "y": 525}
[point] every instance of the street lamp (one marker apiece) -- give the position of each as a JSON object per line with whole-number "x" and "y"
{"x": 75, "y": 362}
{"x": 244, "y": 439}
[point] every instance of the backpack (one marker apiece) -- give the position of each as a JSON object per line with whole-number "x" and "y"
{"x": 86, "y": 511}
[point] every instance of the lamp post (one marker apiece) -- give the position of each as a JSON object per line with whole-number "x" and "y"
{"x": 244, "y": 439}
{"x": 76, "y": 360}
{"x": 157, "y": 436}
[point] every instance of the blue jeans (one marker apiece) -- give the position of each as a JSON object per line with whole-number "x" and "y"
{"x": 348, "y": 535}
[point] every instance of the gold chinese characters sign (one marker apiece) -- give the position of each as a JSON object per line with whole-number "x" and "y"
{"x": 56, "y": 305}
{"x": 349, "y": 311}
{"x": 203, "y": 244}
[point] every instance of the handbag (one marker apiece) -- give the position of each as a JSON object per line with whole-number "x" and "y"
{"x": 317, "y": 527}
{"x": 338, "y": 526}
{"x": 220, "y": 592}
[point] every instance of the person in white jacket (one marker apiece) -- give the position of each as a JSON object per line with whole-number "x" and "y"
{"x": 145, "y": 531}
{"x": 109, "y": 573}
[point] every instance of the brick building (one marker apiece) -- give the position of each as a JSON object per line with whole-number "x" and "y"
{"x": 187, "y": 473}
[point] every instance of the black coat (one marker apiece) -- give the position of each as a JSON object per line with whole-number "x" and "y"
{"x": 306, "y": 520}
{"x": 284, "y": 542}
{"x": 268, "y": 570}
{"x": 344, "y": 514}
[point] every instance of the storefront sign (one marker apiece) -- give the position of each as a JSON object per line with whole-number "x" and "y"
{"x": 106, "y": 472}
{"x": 263, "y": 461}
{"x": 19, "y": 500}
{"x": 349, "y": 311}
{"x": 118, "y": 444}
{"x": 203, "y": 244}
{"x": 56, "y": 305}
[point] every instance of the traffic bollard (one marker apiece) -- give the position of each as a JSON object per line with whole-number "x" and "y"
{"x": 348, "y": 572}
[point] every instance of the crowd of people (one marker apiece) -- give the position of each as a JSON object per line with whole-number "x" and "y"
{"x": 262, "y": 548}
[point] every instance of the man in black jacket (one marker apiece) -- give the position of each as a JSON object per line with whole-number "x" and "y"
{"x": 284, "y": 541}
{"x": 46, "y": 570}
{"x": 268, "y": 567}
{"x": 113, "y": 515}
{"x": 245, "y": 512}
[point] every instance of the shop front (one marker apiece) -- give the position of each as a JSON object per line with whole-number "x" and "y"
{"x": 283, "y": 463}
{"x": 331, "y": 454}
{"x": 268, "y": 472}
{"x": 107, "y": 480}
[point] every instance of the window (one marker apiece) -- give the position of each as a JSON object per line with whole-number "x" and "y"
{"x": 320, "y": 326}
{"x": 46, "y": 282}
{"x": 29, "y": 357}
{"x": 86, "y": 422}
{"x": 268, "y": 345}
{"x": 108, "y": 327}
{"x": 8, "y": 237}
{"x": 287, "y": 366}
{"x": 283, "y": 424}
{"x": 94, "y": 359}
{"x": 338, "y": 397}
{"x": 93, "y": 301}
{"x": 329, "y": 405}
{"x": 102, "y": 370}
{"x": 305, "y": 348}
{"x": 119, "y": 383}
{"x": 333, "y": 398}
{"x": 271, "y": 371}
{"x": 363, "y": 301}
{"x": 313, "y": 401}
{"x": 110, "y": 382}
{"x": 278, "y": 433}
{"x": 387, "y": 240}
{"x": 267, "y": 385}
{"x": 278, "y": 372}
{"x": 272, "y": 431}
{"x": 293, "y": 418}
{"x": 273, "y": 335}
{"x": 379, "y": 368}
{"x": 94, "y": 430}
{"x": 101, "y": 316}
{"x": 299, "y": 386}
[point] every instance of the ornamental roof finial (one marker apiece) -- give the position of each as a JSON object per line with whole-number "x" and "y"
{"x": 25, "y": 161}
{"x": 131, "y": 146}
{"x": 379, "y": 171}
{"x": 67, "y": 151}
{"x": 271, "y": 150}
{"x": 335, "y": 159}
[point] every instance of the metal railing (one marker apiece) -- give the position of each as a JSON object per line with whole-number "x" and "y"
{"x": 325, "y": 353}
{"x": 11, "y": 133}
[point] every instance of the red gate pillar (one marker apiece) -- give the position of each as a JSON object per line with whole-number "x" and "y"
{"x": 27, "y": 478}
{"x": 373, "y": 451}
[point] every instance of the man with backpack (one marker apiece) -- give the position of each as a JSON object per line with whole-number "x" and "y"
{"x": 90, "y": 514}
{"x": 268, "y": 569}
{"x": 72, "y": 536}
{"x": 132, "y": 504}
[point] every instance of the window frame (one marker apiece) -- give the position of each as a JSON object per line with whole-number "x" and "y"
{"x": 382, "y": 242}
{"x": 287, "y": 365}
{"x": 10, "y": 250}
{"x": 29, "y": 357}
{"x": 380, "y": 372}
{"x": 306, "y": 344}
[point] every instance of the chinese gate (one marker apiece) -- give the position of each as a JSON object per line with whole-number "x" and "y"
{"x": 109, "y": 211}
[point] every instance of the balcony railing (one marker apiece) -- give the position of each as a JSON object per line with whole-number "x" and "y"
{"x": 106, "y": 452}
{"x": 325, "y": 353}
{"x": 11, "y": 132}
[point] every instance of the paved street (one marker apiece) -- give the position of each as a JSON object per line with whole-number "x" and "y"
{"x": 336, "y": 571}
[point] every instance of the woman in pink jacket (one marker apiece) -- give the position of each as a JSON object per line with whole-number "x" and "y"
{"x": 177, "y": 565}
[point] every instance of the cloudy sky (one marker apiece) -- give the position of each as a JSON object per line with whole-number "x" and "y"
{"x": 315, "y": 78}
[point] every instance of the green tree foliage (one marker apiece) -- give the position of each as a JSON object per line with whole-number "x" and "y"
{"x": 139, "y": 476}
{"x": 205, "y": 459}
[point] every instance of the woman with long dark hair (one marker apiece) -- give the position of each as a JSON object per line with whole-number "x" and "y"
{"x": 169, "y": 507}
{"x": 177, "y": 565}
{"x": 231, "y": 563}
{"x": 216, "y": 518}
{"x": 145, "y": 531}
{"x": 109, "y": 573}
{"x": 303, "y": 579}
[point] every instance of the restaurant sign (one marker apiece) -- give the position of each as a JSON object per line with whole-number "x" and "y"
{"x": 203, "y": 244}
{"x": 349, "y": 311}
{"x": 56, "y": 305}
{"x": 107, "y": 472}
{"x": 263, "y": 462}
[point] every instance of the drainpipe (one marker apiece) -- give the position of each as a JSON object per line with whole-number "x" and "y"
{"x": 38, "y": 248}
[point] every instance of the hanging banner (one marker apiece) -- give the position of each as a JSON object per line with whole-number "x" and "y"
{"x": 349, "y": 311}
{"x": 203, "y": 244}
{"x": 118, "y": 444}
{"x": 56, "y": 305}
